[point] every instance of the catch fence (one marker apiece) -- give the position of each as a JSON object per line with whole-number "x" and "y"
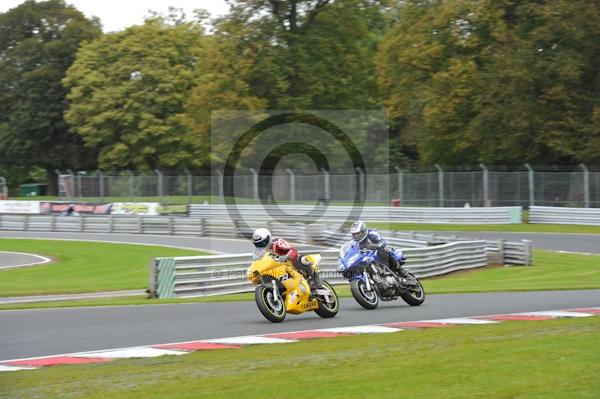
{"x": 577, "y": 186}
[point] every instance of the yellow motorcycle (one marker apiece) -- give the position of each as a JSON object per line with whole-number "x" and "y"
{"x": 281, "y": 289}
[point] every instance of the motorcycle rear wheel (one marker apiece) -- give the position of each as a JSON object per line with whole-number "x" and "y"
{"x": 273, "y": 310}
{"x": 416, "y": 296}
{"x": 367, "y": 299}
{"x": 327, "y": 310}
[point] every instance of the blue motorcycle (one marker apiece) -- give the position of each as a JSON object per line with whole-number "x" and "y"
{"x": 372, "y": 280}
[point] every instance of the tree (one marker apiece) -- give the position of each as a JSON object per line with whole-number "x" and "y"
{"x": 309, "y": 54}
{"x": 494, "y": 81}
{"x": 128, "y": 91}
{"x": 38, "y": 42}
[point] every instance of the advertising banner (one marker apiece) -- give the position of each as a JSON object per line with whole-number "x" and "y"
{"x": 79, "y": 208}
{"x": 29, "y": 207}
{"x": 135, "y": 208}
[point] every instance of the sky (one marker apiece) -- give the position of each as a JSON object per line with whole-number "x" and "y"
{"x": 116, "y": 15}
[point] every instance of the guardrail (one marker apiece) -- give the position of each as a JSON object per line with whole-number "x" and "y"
{"x": 183, "y": 277}
{"x": 167, "y": 225}
{"x": 559, "y": 215}
{"x": 497, "y": 215}
{"x": 502, "y": 252}
{"x": 509, "y": 252}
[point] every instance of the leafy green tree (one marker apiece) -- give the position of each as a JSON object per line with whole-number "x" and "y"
{"x": 38, "y": 42}
{"x": 128, "y": 91}
{"x": 309, "y": 54}
{"x": 494, "y": 81}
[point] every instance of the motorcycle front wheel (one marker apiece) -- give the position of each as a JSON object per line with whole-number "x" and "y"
{"x": 328, "y": 309}
{"x": 415, "y": 293}
{"x": 271, "y": 306}
{"x": 365, "y": 298}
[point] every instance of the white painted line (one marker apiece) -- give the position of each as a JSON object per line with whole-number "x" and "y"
{"x": 42, "y": 260}
{"x": 576, "y": 253}
{"x": 249, "y": 340}
{"x": 14, "y": 368}
{"x": 132, "y": 352}
{"x": 361, "y": 329}
{"x": 123, "y": 242}
{"x": 461, "y": 320}
{"x": 556, "y": 313}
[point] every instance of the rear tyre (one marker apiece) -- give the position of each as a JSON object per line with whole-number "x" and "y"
{"x": 271, "y": 307}
{"x": 367, "y": 299}
{"x": 328, "y": 309}
{"x": 415, "y": 294}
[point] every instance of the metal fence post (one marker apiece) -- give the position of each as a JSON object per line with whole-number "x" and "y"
{"x": 586, "y": 185}
{"x": 400, "y": 184}
{"x": 153, "y": 281}
{"x": 130, "y": 185}
{"x": 101, "y": 176}
{"x": 486, "y": 186}
{"x": 220, "y": 182}
{"x": 3, "y": 188}
{"x": 159, "y": 187}
{"x": 530, "y": 177}
{"x": 440, "y": 184}
{"x": 528, "y": 253}
{"x": 292, "y": 185}
{"x": 326, "y": 188}
{"x": 254, "y": 184}
{"x": 362, "y": 192}
{"x": 190, "y": 189}
{"x": 74, "y": 180}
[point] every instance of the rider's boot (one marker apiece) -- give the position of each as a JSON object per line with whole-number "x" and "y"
{"x": 403, "y": 272}
{"x": 399, "y": 269}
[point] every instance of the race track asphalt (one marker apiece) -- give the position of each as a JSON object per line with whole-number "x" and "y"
{"x": 31, "y": 333}
{"x": 9, "y": 260}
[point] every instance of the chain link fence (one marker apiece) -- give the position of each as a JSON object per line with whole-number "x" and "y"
{"x": 574, "y": 187}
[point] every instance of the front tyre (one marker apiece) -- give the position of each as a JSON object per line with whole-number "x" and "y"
{"x": 415, "y": 293}
{"x": 273, "y": 308}
{"x": 365, "y": 298}
{"x": 328, "y": 309}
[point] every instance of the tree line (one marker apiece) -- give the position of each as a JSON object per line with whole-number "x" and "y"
{"x": 463, "y": 81}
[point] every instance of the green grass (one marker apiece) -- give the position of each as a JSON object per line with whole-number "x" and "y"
{"x": 81, "y": 267}
{"x": 551, "y": 271}
{"x": 535, "y": 359}
{"x": 508, "y": 228}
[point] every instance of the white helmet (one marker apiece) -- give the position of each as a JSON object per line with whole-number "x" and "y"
{"x": 359, "y": 231}
{"x": 262, "y": 238}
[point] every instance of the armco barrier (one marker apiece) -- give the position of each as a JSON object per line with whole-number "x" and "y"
{"x": 183, "y": 277}
{"x": 559, "y": 215}
{"x": 499, "y": 215}
{"x": 511, "y": 253}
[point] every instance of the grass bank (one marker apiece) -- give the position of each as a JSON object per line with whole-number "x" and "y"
{"x": 506, "y": 228}
{"x": 81, "y": 266}
{"x": 551, "y": 271}
{"x": 535, "y": 359}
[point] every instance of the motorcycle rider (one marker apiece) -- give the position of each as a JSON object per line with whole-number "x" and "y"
{"x": 370, "y": 239}
{"x": 280, "y": 250}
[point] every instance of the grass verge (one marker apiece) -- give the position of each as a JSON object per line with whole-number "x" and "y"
{"x": 551, "y": 271}
{"x": 81, "y": 267}
{"x": 507, "y": 228}
{"x": 557, "y": 359}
